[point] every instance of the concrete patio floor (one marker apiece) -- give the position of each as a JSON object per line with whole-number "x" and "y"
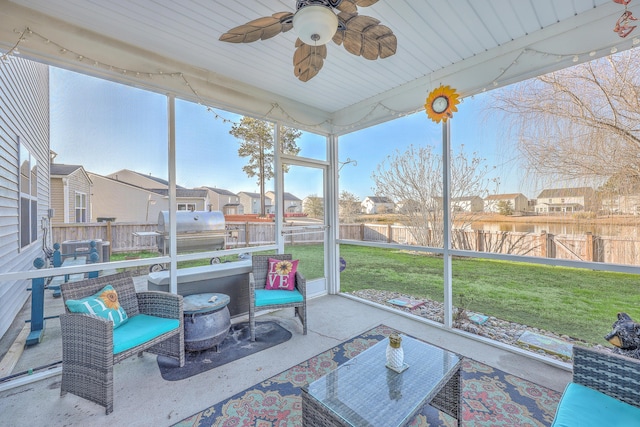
{"x": 143, "y": 398}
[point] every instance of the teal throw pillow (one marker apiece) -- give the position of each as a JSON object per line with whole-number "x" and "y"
{"x": 103, "y": 304}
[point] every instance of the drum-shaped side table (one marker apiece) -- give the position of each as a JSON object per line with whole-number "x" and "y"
{"x": 206, "y": 320}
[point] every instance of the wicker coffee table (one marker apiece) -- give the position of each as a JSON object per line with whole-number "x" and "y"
{"x": 364, "y": 392}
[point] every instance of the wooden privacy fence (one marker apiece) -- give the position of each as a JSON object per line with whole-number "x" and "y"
{"x": 587, "y": 247}
{"x": 123, "y": 239}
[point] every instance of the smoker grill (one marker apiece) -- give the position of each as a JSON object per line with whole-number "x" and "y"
{"x": 195, "y": 231}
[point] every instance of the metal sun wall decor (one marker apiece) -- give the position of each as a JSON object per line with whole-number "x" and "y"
{"x": 623, "y": 25}
{"x": 442, "y": 103}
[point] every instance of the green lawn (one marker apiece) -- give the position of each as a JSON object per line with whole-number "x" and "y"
{"x": 182, "y": 264}
{"x": 579, "y": 303}
{"x": 575, "y": 302}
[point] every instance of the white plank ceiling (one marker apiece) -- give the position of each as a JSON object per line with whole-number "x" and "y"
{"x": 472, "y": 45}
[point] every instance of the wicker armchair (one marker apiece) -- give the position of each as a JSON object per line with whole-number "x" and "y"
{"x": 88, "y": 341}
{"x": 257, "y": 281}
{"x": 605, "y": 391}
{"x": 614, "y": 375}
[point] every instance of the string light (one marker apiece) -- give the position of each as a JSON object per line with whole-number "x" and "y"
{"x": 112, "y": 68}
{"x": 575, "y": 57}
{"x": 14, "y": 50}
{"x": 150, "y": 75}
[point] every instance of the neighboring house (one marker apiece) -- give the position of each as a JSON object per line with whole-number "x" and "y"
{"x": 140, "y": 180}
{"x": 24, "y": 155}
{"x": 375, "y": 205}
{"x": 624, "y": 205}
{"x": 224, "y": 201}
{"x": 467, "y": 204}
{"x": 70, "y": 189}
{"x": 251, "y": 203}
{"x": 566, "y": 200}
{"x": 188, "y": 199}
{"x": 518, "y": 202}
{"x": 123, "y": 202}
{"x": 292, "y": 204}
{"x": 151, "y": 191}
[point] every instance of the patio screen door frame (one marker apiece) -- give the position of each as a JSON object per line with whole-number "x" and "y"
{"x": 317, "y": 286}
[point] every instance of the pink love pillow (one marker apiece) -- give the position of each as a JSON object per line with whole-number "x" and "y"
{"x": 282, "y": 274}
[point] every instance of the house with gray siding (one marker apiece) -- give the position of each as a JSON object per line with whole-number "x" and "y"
{"x": 140, "y": 179}
{"x": 292, "y": 204}
{"x": 518, "y": 202}
{"x": 152, "y": 195}
{"x": 251, "y": 203}
{"x": 566, "y": 200}
{"x": 70, "y": 189}
{"x": 224, "y": 201}
{"x": 375, "y": 204}
{"x": 123, "y": 202}
{"x": 622, "y": 204}
{"x": 24, "y": 172}
{"x": 188, "y": 199}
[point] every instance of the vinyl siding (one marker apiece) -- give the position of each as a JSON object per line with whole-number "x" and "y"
{"x": 57, "y": 201}
{"x": 124, "y": 202}
{"x": 24, "y": 118}
{"x": 78, "y": 183}
{"x": 134, "y": 178}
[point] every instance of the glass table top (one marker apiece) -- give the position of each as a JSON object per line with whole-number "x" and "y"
{"x": 364, "y": 392}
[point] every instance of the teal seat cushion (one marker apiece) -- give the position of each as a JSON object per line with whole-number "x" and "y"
{"x": 274, "y": 297}
{"x": 140, "y": 329}
{"x": 584, "y": 407}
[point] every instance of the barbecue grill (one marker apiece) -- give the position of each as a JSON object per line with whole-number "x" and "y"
{"x": 195, "y": 231}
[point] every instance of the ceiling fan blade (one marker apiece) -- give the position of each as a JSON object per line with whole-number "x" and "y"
{"x": 308, "y": 60}
{"x": 347, "y": 6}
{"x": 364, "y": 3}
{"x": 365, "y": 36}
{"x": 259, "y": 29}
{"x": 351, "y": 6}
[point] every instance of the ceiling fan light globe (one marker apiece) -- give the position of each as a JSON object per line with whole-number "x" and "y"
{"x": 315, "y": 25}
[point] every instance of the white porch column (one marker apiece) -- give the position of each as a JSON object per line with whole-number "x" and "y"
{"x": 332, "y": 198}
{"x": 173, "y": 245}
{"x": 446, "y": 204}
{"x": 278, "y": 184}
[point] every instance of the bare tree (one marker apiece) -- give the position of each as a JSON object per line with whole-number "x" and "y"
{"x": 349, "y": 207}
{"x": 314, "y": 206}
{"x": 581, "y": 123}
{"x": 414, "y": 178}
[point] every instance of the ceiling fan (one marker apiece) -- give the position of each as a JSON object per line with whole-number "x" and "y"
{"x": 316, "y": 23}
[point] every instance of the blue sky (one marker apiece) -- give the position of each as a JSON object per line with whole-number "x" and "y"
{"x": 105, "y": 127}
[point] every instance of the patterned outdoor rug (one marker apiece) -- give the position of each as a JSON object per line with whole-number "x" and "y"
{"x": 490, "y": 397}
